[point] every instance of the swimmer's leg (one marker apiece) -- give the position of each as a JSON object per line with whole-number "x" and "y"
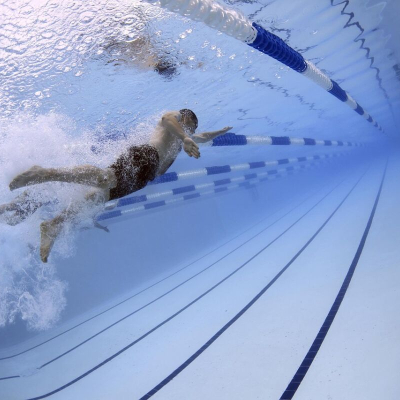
{"x": 20, "y": 208}
{"x": 49, "y": 230}
{"x": 83, "y": 174}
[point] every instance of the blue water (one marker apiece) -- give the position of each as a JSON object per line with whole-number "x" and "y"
{"x": 76, "y": 91}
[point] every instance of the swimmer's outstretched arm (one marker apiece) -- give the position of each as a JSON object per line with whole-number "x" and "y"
{"x": 207, "y": 136}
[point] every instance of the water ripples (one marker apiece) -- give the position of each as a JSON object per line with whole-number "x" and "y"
{"x": 50, "y": 38}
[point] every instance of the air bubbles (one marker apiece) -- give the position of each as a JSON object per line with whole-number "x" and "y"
{"x": 47, "y": 34}
{"x": 9, "y": 69}
{"x": 118, "y": 16}
{"x": 129, "y": 19}
{"x": 87, "y": 17}
{"x": 43, "y": 18}
{"x": 140, "y": 26}
{"x": 88, "y": 40}
{"x": 123, "y": 112}
{"x": 26, "y": 10}
{"x": 45, "y": 40}
{"x": 81, "y": 48}
{"x": 61, "y": 44}
{"x": 185, "y": 34}
{"x": 152, "y": 12}
{"x": 131, "y": 35}
{"x": 52, "y": 4}
{"x": 28, "y": 105}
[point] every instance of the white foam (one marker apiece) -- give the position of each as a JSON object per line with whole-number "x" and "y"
{"x": 29, "y": 289}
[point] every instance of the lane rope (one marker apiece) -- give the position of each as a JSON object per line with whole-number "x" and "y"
{"x": 237, "y": 25}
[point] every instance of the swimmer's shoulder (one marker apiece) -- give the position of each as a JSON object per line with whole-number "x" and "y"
{"x": 161, "y": 130}
{"x": 172, "y": 114}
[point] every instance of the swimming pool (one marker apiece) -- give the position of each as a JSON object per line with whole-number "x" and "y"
{"x": 264, "y": 269}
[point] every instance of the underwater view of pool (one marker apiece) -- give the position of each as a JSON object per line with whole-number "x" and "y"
{"x": 257, "y": 258}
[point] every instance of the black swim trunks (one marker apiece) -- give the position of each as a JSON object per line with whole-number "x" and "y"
{"x": 134, "y": 169}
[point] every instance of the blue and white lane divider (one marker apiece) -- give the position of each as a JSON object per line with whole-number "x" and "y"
{"x": 231, "y": 139}
{"x": 235, "y": 24}
{"x": 246, "y": 181}
{"x": 222, "y": 169}
{"x": 214, "y": 170}
{"x": 125, "y": 201}
{"x": 240, "y": 182}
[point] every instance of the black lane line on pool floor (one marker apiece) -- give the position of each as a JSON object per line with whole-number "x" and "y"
{"x": 9, "y": 377}
{"x": 313, "y": 351}
{"x": 177, "y": 371}
{"x": 149, "y": 287}
{"x": 180, "y": 284}
{"x": 190, "y": 304}
{"x": 158, "y": 298}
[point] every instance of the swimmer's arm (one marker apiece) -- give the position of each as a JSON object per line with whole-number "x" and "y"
{"x": 170, "y": 122}
{"x": 207, "y": 136}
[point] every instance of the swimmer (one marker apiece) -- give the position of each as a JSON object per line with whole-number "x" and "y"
{"x": 132, "y": 170}
{"x": 142, "y": 54}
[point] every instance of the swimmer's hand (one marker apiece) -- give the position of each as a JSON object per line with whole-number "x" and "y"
{"x": 207, "y": 136}
{"x": 102, "y": 227}
{"x": 191, "y": 148}
{"x": 224, "y": 130}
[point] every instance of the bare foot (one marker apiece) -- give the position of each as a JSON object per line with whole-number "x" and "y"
{"x": 49, "y": 230}
{"x": 29, "y": 177}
